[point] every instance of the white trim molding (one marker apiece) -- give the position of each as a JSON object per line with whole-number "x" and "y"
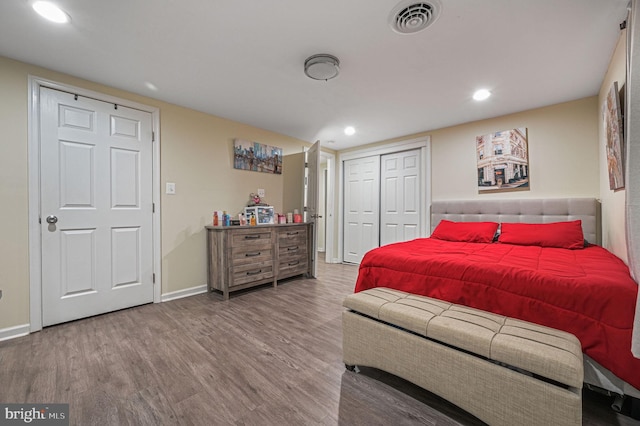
{"x": 13, "y": 332}
{"x": 390, "y": 148}
{"x": 35, "y": 258}
{"x": 330, "y": 214}
{"x": 179, "y": 294}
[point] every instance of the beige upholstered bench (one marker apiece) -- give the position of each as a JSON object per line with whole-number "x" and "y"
{"x": 501, "y": 370}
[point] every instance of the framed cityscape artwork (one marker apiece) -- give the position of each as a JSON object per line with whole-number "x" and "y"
{"x": 613, "y": 130}
{"x": 256, "y": 157}
{"x": 503, "y": 161}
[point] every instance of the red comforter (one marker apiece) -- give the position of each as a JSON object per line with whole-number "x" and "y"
{"x": 587, "y": 292}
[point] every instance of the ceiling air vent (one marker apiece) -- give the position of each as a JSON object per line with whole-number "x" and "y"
{"x": 411, "y": 17}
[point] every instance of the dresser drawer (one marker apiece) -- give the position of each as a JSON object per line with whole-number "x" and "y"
{"x": 289, "y": 237}
{"x": 291, "y": 267}
{"x": 246, "y": 256}
{"x": 253, "y": 272}
{"x": 298, "y": 250}
{"x": 251, "y": 237}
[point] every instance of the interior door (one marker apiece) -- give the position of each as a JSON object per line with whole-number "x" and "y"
{"x": 313, "y": 174}
{"x": 400, "y": 197}
{"x": 95, "y": 205}
{"x": 361, "y": 207}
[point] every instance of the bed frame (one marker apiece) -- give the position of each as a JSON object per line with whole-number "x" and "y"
{"x": 541, "y": 211}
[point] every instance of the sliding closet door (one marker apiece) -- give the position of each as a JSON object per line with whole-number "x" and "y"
{"x": 361, "y": 207}
{"x": 400, "y": 197}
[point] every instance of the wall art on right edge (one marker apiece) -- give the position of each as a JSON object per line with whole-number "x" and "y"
{"x": 613, "y": 131}
{"x": 503, "y": 161}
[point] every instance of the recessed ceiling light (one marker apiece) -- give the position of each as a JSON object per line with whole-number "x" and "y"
{"x": 51, "y": 12}
{"x": 481, "y": 95}
{"x": 349, "y": 131}
{"x": 151, "y": 86}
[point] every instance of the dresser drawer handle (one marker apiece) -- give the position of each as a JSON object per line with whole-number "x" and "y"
{"x": 253, "y": 254}
{"x": 293, "y": 233}
{"x": 294, "y": 263}
{"x": 254, "y": 272}
{"x": 292, "y": 248}
{"x": 252, "y": 237}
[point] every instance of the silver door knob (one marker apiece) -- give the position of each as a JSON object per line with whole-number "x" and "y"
{"x": 52, "y": 219}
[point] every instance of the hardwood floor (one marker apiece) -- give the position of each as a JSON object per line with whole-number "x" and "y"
{"x": 265, "y": 357}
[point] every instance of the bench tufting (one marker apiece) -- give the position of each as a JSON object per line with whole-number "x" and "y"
{"x": 502, "y": 370}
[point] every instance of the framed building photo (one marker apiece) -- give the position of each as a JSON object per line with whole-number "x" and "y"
{"x": 612, "y": 115}
{"x": 503, "y": 161}
{"x": 257, "y": 157}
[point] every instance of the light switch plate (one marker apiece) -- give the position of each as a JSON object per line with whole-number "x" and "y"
{"x": 260, "y": 192}
{"x": 171, "y": 188}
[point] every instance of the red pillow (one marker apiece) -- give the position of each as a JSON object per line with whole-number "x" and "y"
{"x": 558, "y": 234}
{"x": 470, "y": 232}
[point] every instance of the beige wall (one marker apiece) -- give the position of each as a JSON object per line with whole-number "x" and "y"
{"x": 196, "y": 154}
{"x": 613, "y": 203}
{"x": 14, "y": 253}
{"x": 563, "y": 153}
{"x": 293, "y": 166}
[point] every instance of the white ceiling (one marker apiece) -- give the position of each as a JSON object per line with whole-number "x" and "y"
{"x": 243, "y": 60}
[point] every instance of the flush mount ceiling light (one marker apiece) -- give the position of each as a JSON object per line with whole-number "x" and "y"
{"x": 409, "y": 17}
{"x": 51, "y": 12}
{"x": 481, "y": 95}
{"x": 322, "y": 67}
{"x": 349, "y": 131}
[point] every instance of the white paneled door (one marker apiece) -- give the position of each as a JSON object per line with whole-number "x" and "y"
{"x": 95, "y": 205}
{"x": 400, "y": 197}
{"x": 361, "y": 207}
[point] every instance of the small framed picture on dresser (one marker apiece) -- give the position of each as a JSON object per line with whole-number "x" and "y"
{"x": 264, "y": 214}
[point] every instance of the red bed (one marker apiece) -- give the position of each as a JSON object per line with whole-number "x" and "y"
{"x": 586, "y": 291}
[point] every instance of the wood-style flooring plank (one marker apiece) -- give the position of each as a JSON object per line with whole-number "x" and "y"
{"x": 267, "y": 356}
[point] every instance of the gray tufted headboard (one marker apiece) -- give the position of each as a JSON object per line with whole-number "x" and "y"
{"x": 523, "y": 211}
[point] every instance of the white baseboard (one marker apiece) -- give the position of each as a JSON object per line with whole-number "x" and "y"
{"x": 13, "y": 332}
{"x": 179, "y": 294}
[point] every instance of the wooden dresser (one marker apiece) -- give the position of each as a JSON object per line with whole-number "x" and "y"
{"x": 245, "y": 256}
